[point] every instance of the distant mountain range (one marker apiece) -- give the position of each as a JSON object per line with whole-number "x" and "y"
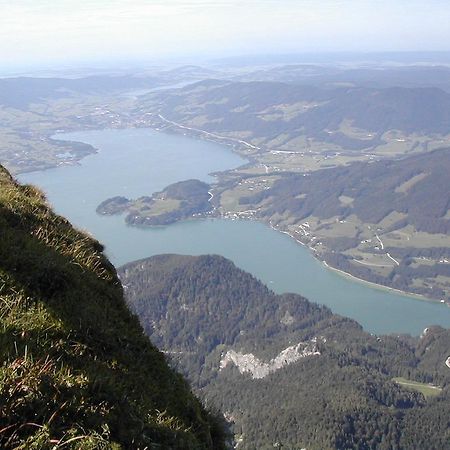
{"x": 382, "y": 76}
{"x": 286, "y": 371}
{"x": 273, "y": 114}
{"x": 21, "y": 92}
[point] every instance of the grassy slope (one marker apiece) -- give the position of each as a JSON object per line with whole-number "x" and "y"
{"x": 426, "y": 389}
{"x": 76, "y": 370}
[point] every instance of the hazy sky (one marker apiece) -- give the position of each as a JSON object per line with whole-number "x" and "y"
{"x": 69, "y": 30}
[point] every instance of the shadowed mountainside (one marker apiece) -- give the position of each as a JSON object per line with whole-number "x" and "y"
{"x": 285, "y": 370}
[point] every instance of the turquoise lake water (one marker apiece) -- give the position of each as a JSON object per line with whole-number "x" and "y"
{"x": 137, "y": 162}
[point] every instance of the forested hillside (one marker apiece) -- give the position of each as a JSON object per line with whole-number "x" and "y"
{"x": 76, "y": 369}
{"x": 176, "y": 202}
{"x": 385, "y": 221}
{"x": 416, "y": 188}
{"x": 287, "y": 371}
{"x": 271, "y": 113}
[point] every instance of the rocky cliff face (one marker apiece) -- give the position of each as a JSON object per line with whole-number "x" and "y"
{"x": 249, "y": 363}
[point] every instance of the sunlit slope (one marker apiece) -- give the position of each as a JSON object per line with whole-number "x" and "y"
{"x": 76, "y": 370}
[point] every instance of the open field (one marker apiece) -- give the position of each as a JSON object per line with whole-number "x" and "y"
{"x": 25, "y": 135}
{"x": 427, "y": 390}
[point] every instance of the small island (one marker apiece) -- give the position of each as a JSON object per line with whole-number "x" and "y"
{"x": 177, "y": 201}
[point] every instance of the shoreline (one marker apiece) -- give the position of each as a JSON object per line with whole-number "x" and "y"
{"x": 344, "y": 274}
{"x": 77, "y": 157}
{"x": 209, "y": 134}
{"x": 192, "y": 132}
{"x": 377, "y": 286}
{"x": 210, "y": 137}
{"x": 228, "y": 142}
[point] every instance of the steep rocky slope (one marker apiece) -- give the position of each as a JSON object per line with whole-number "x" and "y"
{"x": 76, "y": 370}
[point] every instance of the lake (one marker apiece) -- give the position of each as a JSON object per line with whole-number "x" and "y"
{"x": 136, "y": 162}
